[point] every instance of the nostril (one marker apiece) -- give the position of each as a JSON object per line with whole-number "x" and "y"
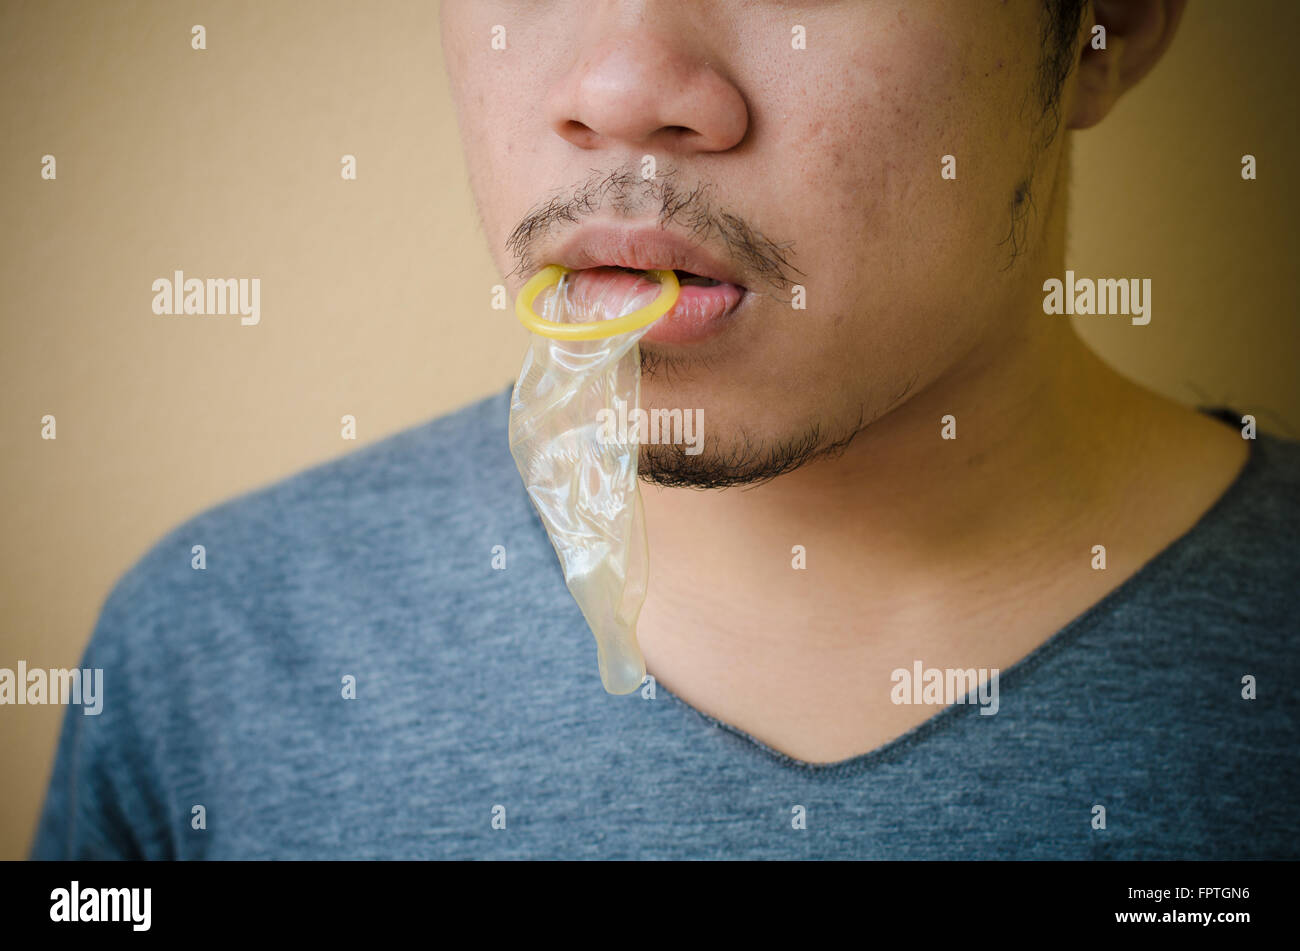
{"x": 574, "y": 130}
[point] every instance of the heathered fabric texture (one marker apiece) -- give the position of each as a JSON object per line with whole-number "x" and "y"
{"x": 477, "y": 688}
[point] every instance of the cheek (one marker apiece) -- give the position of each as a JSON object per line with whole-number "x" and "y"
{"x": 496, "y": 157}
{"x": 496, "y": 107}
{"x": 871, "y": 200}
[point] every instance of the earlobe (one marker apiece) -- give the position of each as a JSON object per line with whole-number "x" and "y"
{"x": 1123, "y": 42}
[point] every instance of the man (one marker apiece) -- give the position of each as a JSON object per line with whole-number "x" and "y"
{"x": 955, "y": 588}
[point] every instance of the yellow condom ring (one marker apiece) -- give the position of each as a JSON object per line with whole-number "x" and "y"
{"x": 595, "y": 330}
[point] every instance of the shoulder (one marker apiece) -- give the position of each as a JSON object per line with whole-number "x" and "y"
{"x": 1235, "y": 576}
{"x": 215, "y": 643}
{"x": 1274, "y": 475}
{"x": 1226, "y": 592}
{"x": 1254, "y": 528}
{"x": 343, "y": 529}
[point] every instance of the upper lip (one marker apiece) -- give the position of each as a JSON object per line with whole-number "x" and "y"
{"x": 643, "y": 249}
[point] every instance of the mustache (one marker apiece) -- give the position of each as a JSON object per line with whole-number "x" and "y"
{"x": 627, "y": 194}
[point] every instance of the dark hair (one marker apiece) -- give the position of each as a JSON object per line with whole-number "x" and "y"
{"x": 1060, "y": 26}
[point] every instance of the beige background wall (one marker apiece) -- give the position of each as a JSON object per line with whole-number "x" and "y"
{"x": 225, "y": 162}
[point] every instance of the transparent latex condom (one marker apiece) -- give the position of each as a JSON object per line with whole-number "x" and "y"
{"x": 583, "y": 483}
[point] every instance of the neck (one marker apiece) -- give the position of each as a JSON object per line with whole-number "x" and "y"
{"x": 1046, "y": 437}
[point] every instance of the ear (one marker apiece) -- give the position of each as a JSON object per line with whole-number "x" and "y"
{"x": 1137, "y": 34}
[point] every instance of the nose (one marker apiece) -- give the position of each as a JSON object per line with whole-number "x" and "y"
{"x": 642, "y": 83}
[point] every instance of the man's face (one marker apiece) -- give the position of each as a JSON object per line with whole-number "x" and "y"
{"x": 818, "y": 167}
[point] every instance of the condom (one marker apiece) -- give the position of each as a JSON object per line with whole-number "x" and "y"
{"x": 583, "y": 357}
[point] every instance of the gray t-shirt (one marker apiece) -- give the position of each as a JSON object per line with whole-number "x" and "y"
{"x": 479, "y": 728}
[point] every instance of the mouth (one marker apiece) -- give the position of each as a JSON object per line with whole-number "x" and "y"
{"x": 609, "y": 265}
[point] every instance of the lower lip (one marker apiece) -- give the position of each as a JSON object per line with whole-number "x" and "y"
{"x": 700, "y": 312}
